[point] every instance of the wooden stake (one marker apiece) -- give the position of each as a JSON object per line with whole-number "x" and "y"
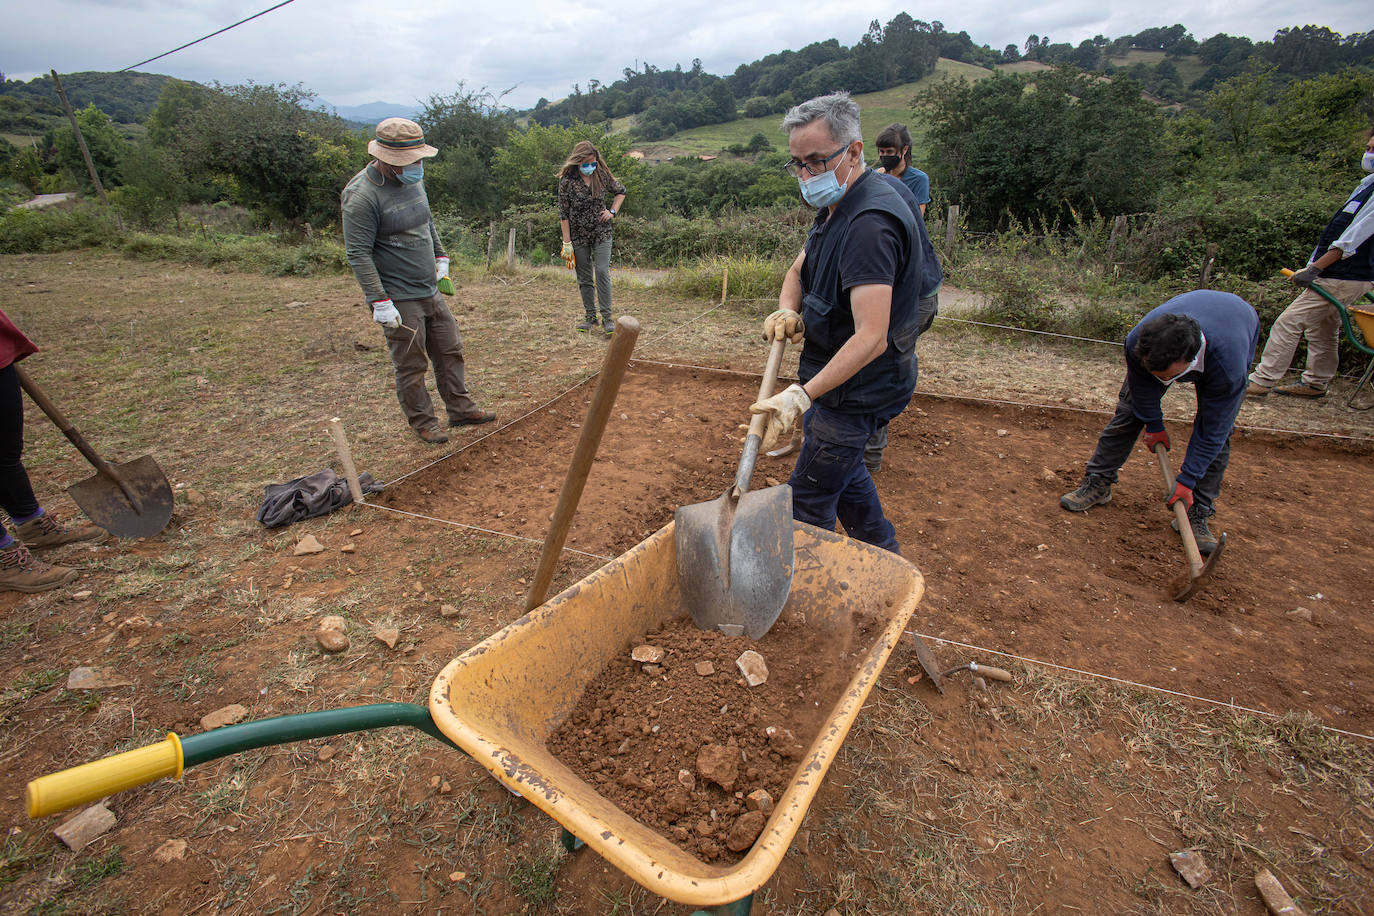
{"x": 951, "y": 227}
{"x": 491, "y": 242}
{"x": 724, "y": 283}
{"x": 80, "y": 140}
{"x": 510, "y": 249}
{"x": 1118, "y": 229}
{"x": 1207, "y": 260}
{"x": 346, "y": 459}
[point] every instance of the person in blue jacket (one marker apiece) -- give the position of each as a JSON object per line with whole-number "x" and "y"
{"x": 1204, "y": 338}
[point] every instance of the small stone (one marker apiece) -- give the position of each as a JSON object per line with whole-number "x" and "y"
{"x": 445, "y": 788}
{"x": 195, "y": 497}
{"x": 648, "y": 654}
{"x": 448, "y": 611}
{"x": 456, "y": 876}
{"x": 355, "y": 532}
{"x": 333, "y": 622}
{"x": 108, "y": 618}
{"x": 170, "y": 851}
{"x": 653, "y": 670}
{"x": 719, "y": 764}
{"x": 802, "y": 843}
{"x": 705, "y": 669}
{"x": 135, "y": 624}
{"x": 326, "y": 753}
{"x": 95, "y": 679}
{"x": 225, "y": 715}
{"x": 434, "y": 782}
{"x": 687, "y": 780}
{"x": 307, "y": 545}
{"x": 1048, "y": 476}
{"x": 331, "y": 640}
{"x": 760, "y": 800}
{"x": 746, "y": 830}
{"x": 783, "y": 742}
{"x": 79, "y": 831}
{"x": 1300, "y": 613}
{"x": 1001, "y": 432}
{"x": 1191, "y": 866}
{"x": 347, "y": 548}
{"x": 753, "y": 667}
{"x": 771, "y": 481}
{"x": 388, "y": 635}
{"x": 82, "y": 595}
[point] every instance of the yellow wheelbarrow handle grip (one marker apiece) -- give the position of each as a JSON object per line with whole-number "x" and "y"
{"x": 100, "y": 778}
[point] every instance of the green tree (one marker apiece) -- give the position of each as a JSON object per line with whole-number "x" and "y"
{"x": 104, "y": 141}
{"x": 526, "y": 167}
{"x": 177, "y": 100}
{"x": 467, "y": 127}
{"x": 154, "y": 187}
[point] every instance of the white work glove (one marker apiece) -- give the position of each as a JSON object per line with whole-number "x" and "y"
{"x": 784, "y": 323}
{"x": 440, "y": 268}
{"x": 384, "y": 313}
{"x": 784, "y": 410}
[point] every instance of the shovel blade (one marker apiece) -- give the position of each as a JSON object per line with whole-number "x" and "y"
{"x": 735, "y": 559}
{"x": 1190, "y": 586}
{"x": 104, "y": 502}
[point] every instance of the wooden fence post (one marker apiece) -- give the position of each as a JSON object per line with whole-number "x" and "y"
{"x": 951, "y": 227}
{"x": 80, "y": 140}
{"x": 491, "y": 242}
{"x": 1118, "y": 230}
{"x": 510, "y": 249}
{"x": 1207, "y": 260}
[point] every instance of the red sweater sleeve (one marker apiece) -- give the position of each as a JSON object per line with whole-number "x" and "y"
{"x": 14, "y": 346}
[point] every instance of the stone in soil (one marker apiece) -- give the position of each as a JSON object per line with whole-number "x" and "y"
{"x": 96, "y": 679}
{"x": 227, "y": 715}
{"x": 80, "y": 831}
{"x": 387, "y": 635}
{"x": 170, "y": 851}
{"x": 331, "y": 640}
{"x": 753, "y": 667}
{"x": 746, "y": 830}
{"x": 307, "y": 545}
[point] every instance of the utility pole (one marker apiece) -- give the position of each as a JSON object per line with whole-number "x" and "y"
{"x": 80, "y": 140}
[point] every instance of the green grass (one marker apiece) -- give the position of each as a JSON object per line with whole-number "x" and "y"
{"x": 877, "y": 110}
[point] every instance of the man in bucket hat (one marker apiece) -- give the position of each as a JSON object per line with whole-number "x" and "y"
{"x": 396, "y": 255}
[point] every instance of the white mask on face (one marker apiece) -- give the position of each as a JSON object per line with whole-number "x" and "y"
{"x": 1367, "y": 162}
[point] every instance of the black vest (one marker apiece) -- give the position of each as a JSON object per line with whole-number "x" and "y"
{"x": 883, "y": 386}
{"x": 1360, "y": 265}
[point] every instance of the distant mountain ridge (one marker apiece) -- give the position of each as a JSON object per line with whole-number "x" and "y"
{"x": 373, "y": 112}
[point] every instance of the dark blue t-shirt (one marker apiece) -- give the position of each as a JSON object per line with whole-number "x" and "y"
{"x": 931, "y": 274}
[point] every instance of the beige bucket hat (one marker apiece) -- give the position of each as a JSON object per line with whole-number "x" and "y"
{"x": 400, "y": 142}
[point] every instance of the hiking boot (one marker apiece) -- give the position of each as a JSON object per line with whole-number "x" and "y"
{"x": 46, "y": 531}
{"x": 608, "y": 326}
{"x": 433, "y": 435}
{"x": 471, "y": 419}
{"x": 1093, "y": 491}
{"x": 1206, "y": 541}
{"x": 1254, "y": 390}
{"x": 1302, "y": 391}
{"x": 20, "y": 571}
{"x": 588, "y": 325}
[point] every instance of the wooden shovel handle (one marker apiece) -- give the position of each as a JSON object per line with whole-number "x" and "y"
{"x": 1185, "y": 527}
{"x": 55, "y": 414}
{"x": 996, "y": 674}
{"x": 753, "y": 440}
{"x": 612, "y": 373}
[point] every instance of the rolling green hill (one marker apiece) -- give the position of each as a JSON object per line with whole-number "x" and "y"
{"x": 879, "y": 109}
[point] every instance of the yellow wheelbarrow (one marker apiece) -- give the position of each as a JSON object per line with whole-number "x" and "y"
{"x": 501, "y": 700}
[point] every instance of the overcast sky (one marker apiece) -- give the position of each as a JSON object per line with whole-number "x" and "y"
{"x": 403, "y": 51}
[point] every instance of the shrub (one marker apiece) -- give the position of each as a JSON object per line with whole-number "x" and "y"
{"x": 58, "y": 229}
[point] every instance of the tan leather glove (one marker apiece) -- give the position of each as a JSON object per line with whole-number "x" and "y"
{"x": 786, "y": 323}
{"x": 567, "y": 252}
{"x": 784, "y": 410}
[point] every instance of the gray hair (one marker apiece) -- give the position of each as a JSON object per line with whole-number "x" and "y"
{"x": 840, "y": 112}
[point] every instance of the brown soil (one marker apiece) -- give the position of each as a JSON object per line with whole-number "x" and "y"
{"x": 640, "y": 726}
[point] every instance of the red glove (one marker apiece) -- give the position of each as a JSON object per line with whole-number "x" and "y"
{"x": 1161, "y": 437}
{"x": 1183, "y": 493}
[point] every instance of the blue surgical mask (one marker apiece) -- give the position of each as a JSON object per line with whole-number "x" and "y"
{"x": 587, "y": 167}
{"x": 821, "y": 191}
{"x": 1367, "y": 162}
{"x": 411, "y": 174}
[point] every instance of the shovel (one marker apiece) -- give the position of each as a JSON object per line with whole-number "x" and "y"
{"x": 130, "y": 500}
{"x": 1185, "y": 587}
{"x": 735, "y": 553}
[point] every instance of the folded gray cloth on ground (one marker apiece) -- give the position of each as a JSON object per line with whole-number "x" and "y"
{"x": 307, "y": 497}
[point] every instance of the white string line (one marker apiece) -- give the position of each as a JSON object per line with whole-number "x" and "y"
{"x": 1008, "y": 327}
{"x": 504, "y": 534}
{"x": 1118, "y": 680}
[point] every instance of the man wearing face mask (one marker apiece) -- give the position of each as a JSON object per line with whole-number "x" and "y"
{"x": 1344, "y": 263}
{"x": 394, "y": 249}
{"x": 1204, "y": 338}
{"x": 851, "y": 295}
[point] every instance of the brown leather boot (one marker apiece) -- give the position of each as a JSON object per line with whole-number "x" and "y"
{"x": 47, "y": 531}
{"x": 20, "y": 571}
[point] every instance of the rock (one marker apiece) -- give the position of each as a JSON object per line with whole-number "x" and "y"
{"x": 170, "y": 851}
{"x": 802, "y": 842}
{"x": 136, "y": 624}
{"x": 688, "y": 781}
{"x": 649, "y": 654}
{"x": 753, "y": 667}
{"x": 388, "y": 635}
{"x": 1300, "y": 613}
{"x": 347, "y": 548}
{"x": 653, "y": 670}
{"x": 1001, "y": 432}
{"x": 333, "y": 622}
{"x": 759, "y": 800}
{"x": 456, "y": 876}
{"x": 355, "y": 532}
{"x": 783, "y": 742}
{"x": 705, "y": 669}
{"x": 445, "y": 788}
{"x": 331, "y": 640}
{"x": 719, "y": 764}
{"x": 195, "y": 497}
{"x": 307, "y": 545}
{"x": 676, "y": 800}
{"x": 78, "y": 831}
{"x": 82, "y": 595}
{"x": 448, "y": 611}
{"x": 326, "y": 753}
{"x": 1049, "y": 476}
{"x": 95, "y": 679}
{"x": 746, "y": 830}
{"x": 434, "y": 782}
{"x": 226, "y": 715}
{"x": 1189, "y": 864}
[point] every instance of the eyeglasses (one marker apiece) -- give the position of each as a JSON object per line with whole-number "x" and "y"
{"x": 795, "y": 167}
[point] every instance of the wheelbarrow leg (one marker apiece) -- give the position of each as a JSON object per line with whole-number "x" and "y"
{"x": 738, "y": 908}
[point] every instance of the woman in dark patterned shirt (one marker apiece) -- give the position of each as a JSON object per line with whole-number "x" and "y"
{"x": 583, "y": 183}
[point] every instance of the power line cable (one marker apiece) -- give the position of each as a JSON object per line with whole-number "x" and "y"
{"x": 204, "y": 37}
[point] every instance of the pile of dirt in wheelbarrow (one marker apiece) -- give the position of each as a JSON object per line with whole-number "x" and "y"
{"x": 684, "y": 744}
